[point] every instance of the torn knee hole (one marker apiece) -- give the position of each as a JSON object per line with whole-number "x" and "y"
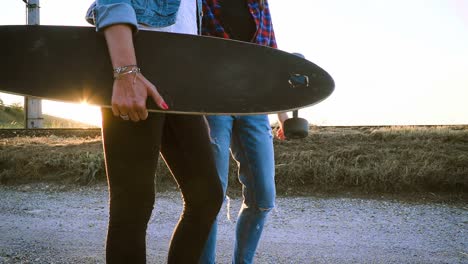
{"x": 265, "y": 209}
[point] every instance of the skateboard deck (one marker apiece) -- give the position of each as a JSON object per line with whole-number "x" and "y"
{"x": 194, "y": 74}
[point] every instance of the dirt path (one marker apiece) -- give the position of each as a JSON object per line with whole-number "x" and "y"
{"x": 43, "y": 224}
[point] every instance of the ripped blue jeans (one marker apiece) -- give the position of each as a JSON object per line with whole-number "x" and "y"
{"x": 251, "y": 142}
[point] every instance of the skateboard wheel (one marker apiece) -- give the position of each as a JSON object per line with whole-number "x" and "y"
{"x": 296, "y": 128}
{"x": 300, "y": 55}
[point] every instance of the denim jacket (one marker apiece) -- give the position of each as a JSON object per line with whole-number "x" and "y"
{"x": 154, "y": 13}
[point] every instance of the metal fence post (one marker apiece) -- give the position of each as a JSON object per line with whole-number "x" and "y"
{"x": 32, "y": 106}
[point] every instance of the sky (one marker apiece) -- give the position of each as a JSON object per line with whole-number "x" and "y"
{"x": 399, "y": 62}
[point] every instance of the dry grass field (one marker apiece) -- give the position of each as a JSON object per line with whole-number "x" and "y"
{"x": 395, "y": 160}
{"x": 377, "y": 159}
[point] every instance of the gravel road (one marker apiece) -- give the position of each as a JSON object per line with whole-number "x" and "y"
{"x": 58, "y": 224}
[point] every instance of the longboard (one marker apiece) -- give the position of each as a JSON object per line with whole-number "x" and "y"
{"x": 194, "y": 74}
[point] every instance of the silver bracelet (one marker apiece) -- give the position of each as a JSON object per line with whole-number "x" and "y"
{"x": 124, "y": 70}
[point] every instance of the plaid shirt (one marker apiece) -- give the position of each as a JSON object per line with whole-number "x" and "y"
{"x": 211, "y": 25}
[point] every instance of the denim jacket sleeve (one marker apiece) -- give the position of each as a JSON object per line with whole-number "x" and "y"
{"x": 154, "y": 13}
{"x": 104, "y": 13}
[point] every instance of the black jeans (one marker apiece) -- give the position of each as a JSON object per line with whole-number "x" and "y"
{"x": 131, "y": 154}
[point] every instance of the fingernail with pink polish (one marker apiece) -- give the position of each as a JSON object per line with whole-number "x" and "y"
{"x": 164, "y": 106}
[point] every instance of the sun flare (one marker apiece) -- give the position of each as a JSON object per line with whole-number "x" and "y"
{"x": 81, "y": 112}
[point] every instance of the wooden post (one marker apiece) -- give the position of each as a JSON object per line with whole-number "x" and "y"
{"x": 32, "y": 106}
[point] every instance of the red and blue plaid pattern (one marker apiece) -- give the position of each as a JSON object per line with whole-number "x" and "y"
{"x": 211, "y": 26}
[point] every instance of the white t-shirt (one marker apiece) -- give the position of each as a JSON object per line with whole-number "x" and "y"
{"x": 186, "y": 21}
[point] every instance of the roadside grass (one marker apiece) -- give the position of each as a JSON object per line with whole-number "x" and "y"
{"x": 51, "y": 159}
{"x": 330, "y": 160}
{"x": 386, "y": 159}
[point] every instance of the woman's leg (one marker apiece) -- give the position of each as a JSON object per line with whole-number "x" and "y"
{"x": 252, "y": 147}
{"x": 131, "y": 154}
{"x": 220, "y": 131}
{"x": 187, "y": 151}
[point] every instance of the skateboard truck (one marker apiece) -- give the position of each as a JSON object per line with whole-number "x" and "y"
{"x": 295, "y": 127}
{"x": 297, "y": 80}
